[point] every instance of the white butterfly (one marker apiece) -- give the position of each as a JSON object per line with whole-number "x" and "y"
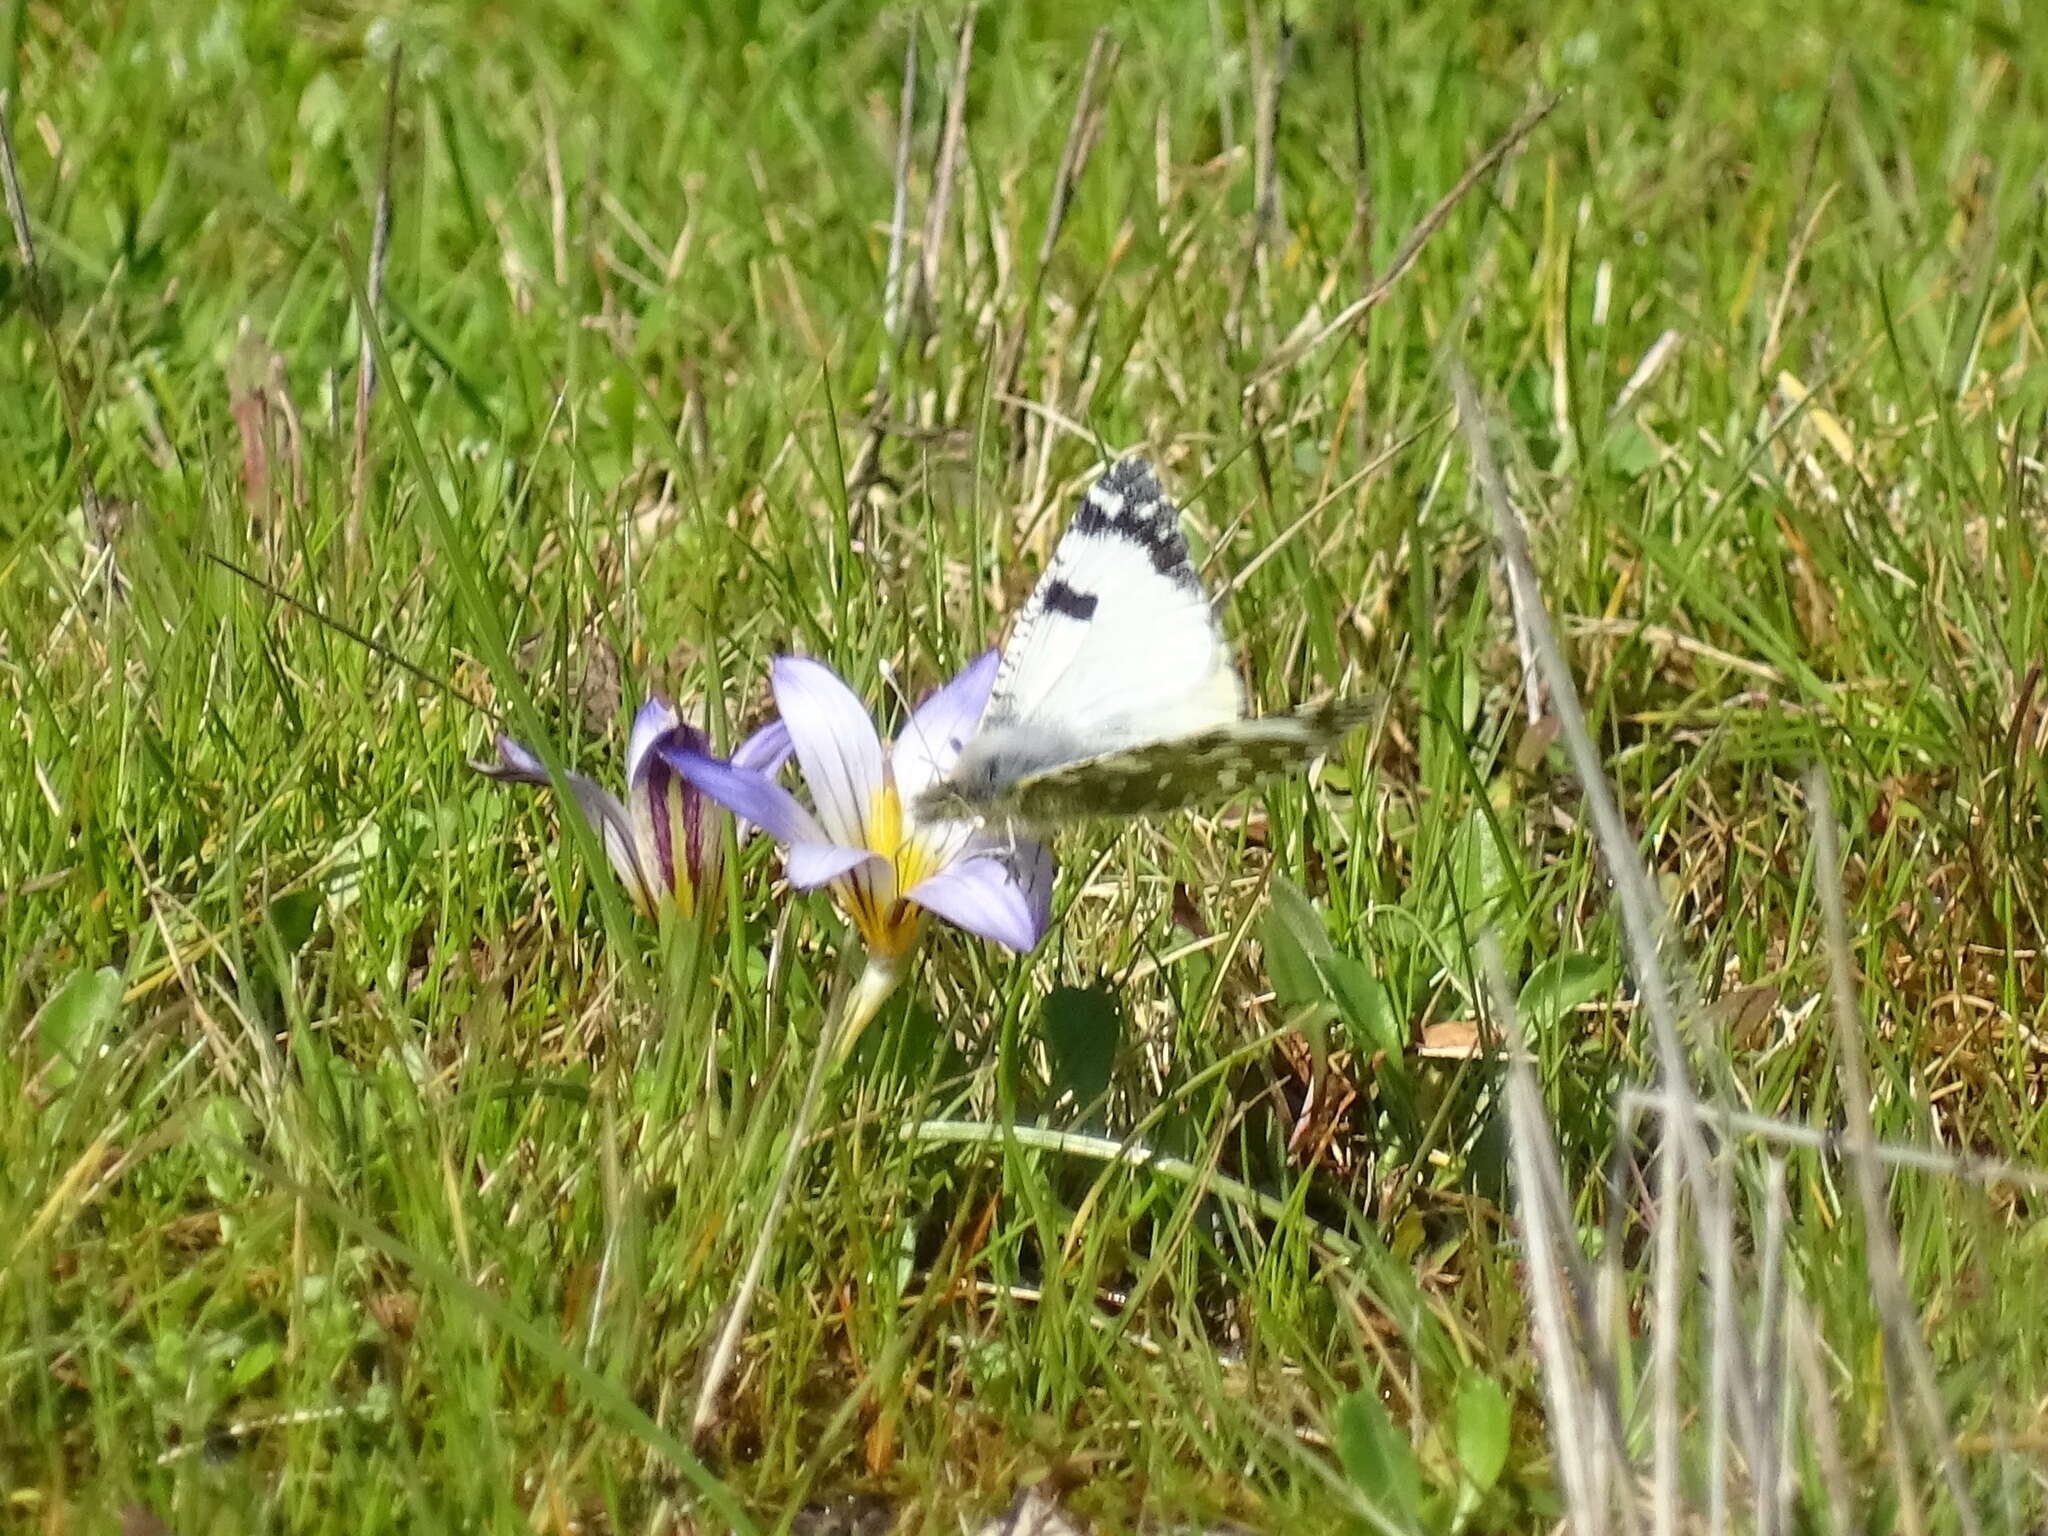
{"x": 1116, "y": 694}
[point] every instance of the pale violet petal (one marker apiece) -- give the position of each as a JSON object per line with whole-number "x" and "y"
{"x": 936, "y": 730}
{"x": 810, "y": 865}
{"x": 835, "y": 743}
{"x": 751, "y": 796}
{"x": 1032, "y": 867}
{"x": 656, "y": 717}
{"x": 766, "y": 750}
{"x": 983, "y": 896}
{"x": 617, "y": 837}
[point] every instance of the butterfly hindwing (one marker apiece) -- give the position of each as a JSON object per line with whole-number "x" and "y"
{"x": 1168, "y": 775}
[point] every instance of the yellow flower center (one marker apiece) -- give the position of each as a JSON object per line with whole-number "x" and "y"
{"x": 874, "y": 898}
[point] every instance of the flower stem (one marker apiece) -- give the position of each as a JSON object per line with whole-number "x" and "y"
{"x": 856, "y": 1008}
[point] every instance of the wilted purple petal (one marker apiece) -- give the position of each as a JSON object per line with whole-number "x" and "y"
{"x": 984, "y": 896}
{"x": 602, "y": 810}
{"x": 936, "y": 730}
{"x": 766, "y": 750}
{"x": 810, "y": 865}
{"x": 835, "y": 741}
{"x": 516, "y": 764}
{"x": 749, "y": 795}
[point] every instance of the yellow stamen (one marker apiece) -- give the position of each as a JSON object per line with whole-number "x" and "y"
{"x": 885, "y": 820}
{"x": 890, "y": 928}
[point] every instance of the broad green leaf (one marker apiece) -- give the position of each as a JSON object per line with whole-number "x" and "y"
{"x": 1366, "y": 1005}
{"x": 1629, "y": 451}
{"x": 1479, "y": 1422}
{"x": 293, "y": 917}
{"x": 252, "y": 1364}
{"x": 1083, "y": 1030}
{"x": 1559, "y": 985}
{"x": 1378, "y": 1459}
{"x": 72, "y": 1024}
{"x": 1479, "y": 865}
{"x": 1311, "y": 978}
{"x": 1297, "y": 945}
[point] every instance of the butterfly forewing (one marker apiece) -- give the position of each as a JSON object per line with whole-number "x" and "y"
{"x": 1116, "y": 695}
{"x": 1117, "y": 644}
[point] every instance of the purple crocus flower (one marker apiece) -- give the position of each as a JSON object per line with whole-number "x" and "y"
{"x": 884, "y": 866}
{"x": 664, "y": 840}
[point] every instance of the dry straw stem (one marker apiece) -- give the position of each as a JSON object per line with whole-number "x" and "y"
{"x": 1641, "y": 924}
{"x": 1270, "y": 84}
{"x": 1364, "y": 219}
{"x": 1132, "y": 1154}
{"x": 1908, "y": 1351}
{"x": 907, "y": 291}
{"x": 896, "y": 304}
{"x": 949, "y": 156}
{"x": 1269, "y": 81}
{"x": 1775, "y": 1402}
{"x": 1300, "y": 344}
{"x": 1835, "y": 1144}
{"x": 899, "y": 213}
{"x": 855, "y": 1007}
{"x": 1083, "y": 128}
{"x": 1579, "y": 1379}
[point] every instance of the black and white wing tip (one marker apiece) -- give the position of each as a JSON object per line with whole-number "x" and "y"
{"x": 1128, "y": 503}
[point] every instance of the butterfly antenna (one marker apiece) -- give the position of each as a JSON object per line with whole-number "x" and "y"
{"x": 1101, "y": 443}
{"x": 894, "y": 684}
{"x": 349, "y": 632}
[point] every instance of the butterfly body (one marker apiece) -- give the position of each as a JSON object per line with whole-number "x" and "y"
{"x": 1116, "y": 694}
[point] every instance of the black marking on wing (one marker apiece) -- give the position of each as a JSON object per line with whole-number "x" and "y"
{"x": 1137, "y": 510}
{"x": 1186, "y": 770}
{"x": 1061, "y": 597}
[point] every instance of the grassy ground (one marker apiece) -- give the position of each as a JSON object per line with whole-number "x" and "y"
{"x": 367, "y": 1165}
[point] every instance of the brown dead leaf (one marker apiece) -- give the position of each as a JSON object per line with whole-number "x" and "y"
{"x": 1536, "y": 741}
{"x": 1746, "y": 1015}
{"x": 194, "y": 1232}
{"x": 1451, "y": 1040}
{"x": 396, "y": 1312}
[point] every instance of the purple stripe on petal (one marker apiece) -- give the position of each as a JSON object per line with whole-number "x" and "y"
{"x": 936, "y": 730}
{"x": 811, "y": 865}
{"x": 662, "y": 805}
{"x": 751, "y": 796}
{"x": 835, "y": 741}
{"x": 653, "y": 798}
{"x": 766, "y": 750}
{"x": 703, "y": 841}
{"x": 983, "y": 896}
